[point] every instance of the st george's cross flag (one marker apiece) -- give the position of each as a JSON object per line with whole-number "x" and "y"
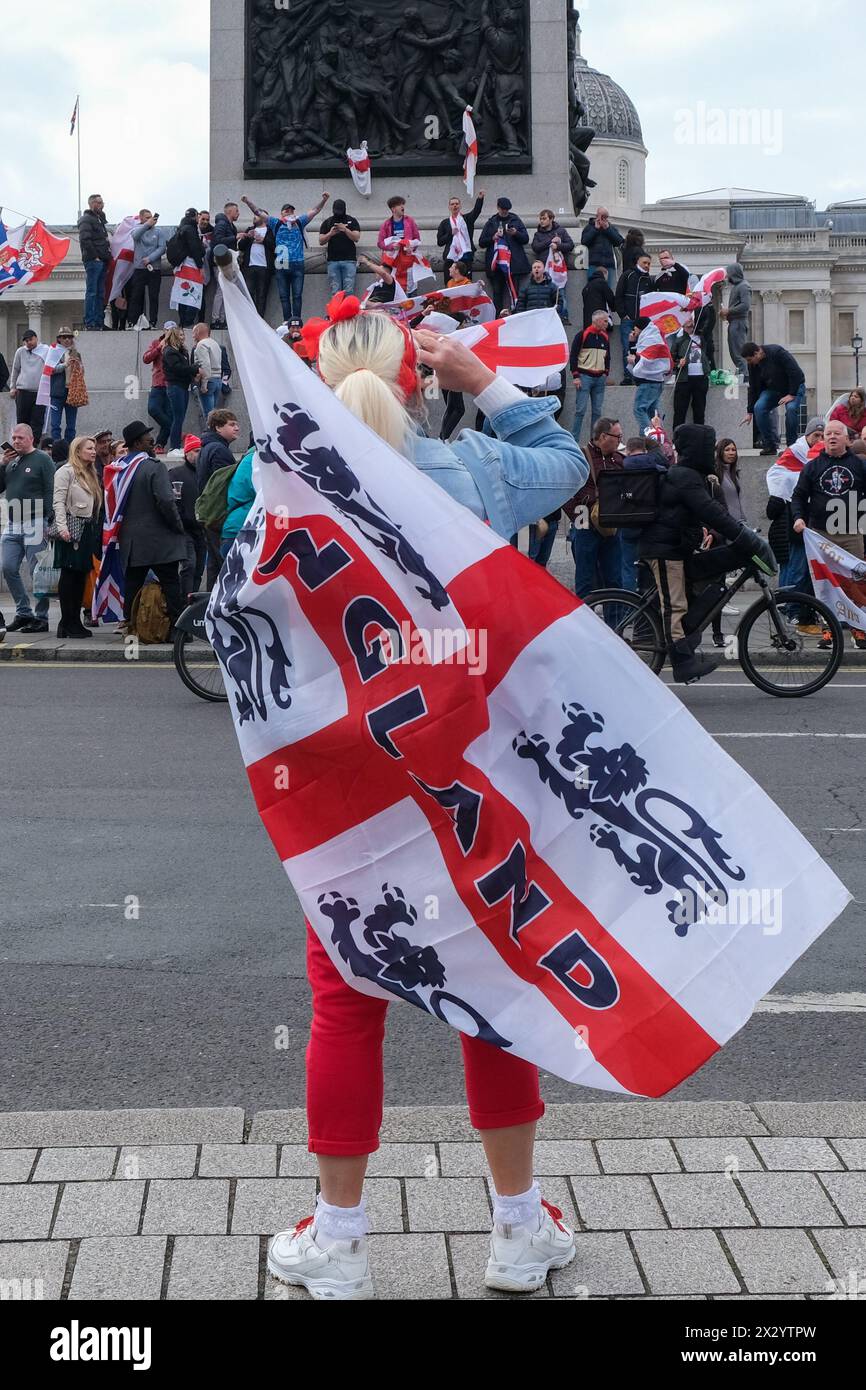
{"x": 654, "y": 361}
{"x": 471, "y": 300}
{"x": 701, "y": 292}
{"x": 52, "y": 356}
{"x": 122, "y": 249}
{"x": 487, "y": 805}
{"x": 470, "y": 139}
{"x": 187, "y": 285}
{"x": 839, "y": 579}
{"x": 666, "y": 309}
{"x": 359, "y": 168}
{"x": 526, "y": 348}
{"x": 556, "y": 266}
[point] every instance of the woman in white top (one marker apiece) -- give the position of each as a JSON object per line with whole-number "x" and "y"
{"x": 77, "y": 507}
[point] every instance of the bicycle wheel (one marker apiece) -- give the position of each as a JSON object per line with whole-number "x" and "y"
{"x": 198, "y": 667}
{"x": 634, "y": 620}
{"x": 792, "y": 666}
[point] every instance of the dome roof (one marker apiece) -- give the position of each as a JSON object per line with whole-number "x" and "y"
{"x": 608, "y": 110}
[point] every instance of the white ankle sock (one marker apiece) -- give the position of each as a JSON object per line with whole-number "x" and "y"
{"x": 522, "y": 1209}
{"x": 339, "y": 1223}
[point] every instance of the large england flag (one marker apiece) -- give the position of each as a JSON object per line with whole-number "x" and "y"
{"x": 839, "y": 579}
{"x": 486, "y": 804}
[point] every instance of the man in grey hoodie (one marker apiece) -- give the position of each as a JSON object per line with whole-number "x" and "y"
{"x": 737, "y": 315}
{"x": 148, "y": 247}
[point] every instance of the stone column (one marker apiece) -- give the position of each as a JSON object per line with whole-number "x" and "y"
{"x": 35, "y": 309}
{"x": 772, "y": 300}
{"x": 823, "y": 349}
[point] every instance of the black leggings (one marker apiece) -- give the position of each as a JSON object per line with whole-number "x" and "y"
{"x": 70, "y": 591}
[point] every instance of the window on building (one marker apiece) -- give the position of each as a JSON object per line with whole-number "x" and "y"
{"x": 797, "y": 326}
{"x": 843, "y": 328}
{"x": 622, "y": 181}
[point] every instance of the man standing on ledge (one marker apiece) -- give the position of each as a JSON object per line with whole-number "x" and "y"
{"x": 288, "y": 231}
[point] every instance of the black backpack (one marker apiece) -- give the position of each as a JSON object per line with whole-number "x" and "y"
{"x": 628, "y": 497}
{"x": 175, "y": 250}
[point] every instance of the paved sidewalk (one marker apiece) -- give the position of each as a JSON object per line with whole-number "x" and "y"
{"x": 670, "y": 1200}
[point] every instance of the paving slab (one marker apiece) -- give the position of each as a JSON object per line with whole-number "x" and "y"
{"x": 604, "y": 1266}
{"x": 684, "y": 1262}
{"x": 848, "y": 1191}
{"x": 15, "y": 1164}
{"x": 32, "y": 1269}
{"x": 384, "y": 1203}
{"x": 238, "y": 1161}
{"x": 44, "y": 1128}
{"x": 156, "y": 1161}
{"x": 788, "y": 1199}
{"x": 782, "y": 1262}
{"x": 26, "y": 1211}
{"x": 722, "y": 1155}
{"x": 637, "y": 1156}
{"x": 74, "y": 1165}
{"x": 264, "y": 1206}
{"x": 447, "y": 1204}
{"x": 553, "y": 1157}
{"x": 851, "y": 1151}
{"x": 797, "y": 1155}
{"x": 845, "y": 1249}
{"x": 617, "y": 1203}
{"x": 121, "y": 1267}
{"x": 410, "y": 1266}
{"x": 701, "y": 1199}
{"x": 214, "y": 1267}
{"x": 99, "y": 1209}
{"x": 185, "y": 1206}
{"x": 846, "y": 1118}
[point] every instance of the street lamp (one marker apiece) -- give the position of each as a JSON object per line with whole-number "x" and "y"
{"x": 856, "y": 343}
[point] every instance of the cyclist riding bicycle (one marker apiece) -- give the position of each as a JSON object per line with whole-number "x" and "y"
{"x": 683, "y": 559}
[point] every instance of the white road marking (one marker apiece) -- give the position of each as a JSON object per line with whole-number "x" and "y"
{"x": 812, "y": 1003}
{"x": 785, "y": 734}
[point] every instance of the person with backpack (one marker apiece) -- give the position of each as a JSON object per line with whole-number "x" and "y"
{"x": 151, "y": 533}
{"x": 290, "y": 245}
{"x": 186, "y": 244}
{"x": 179, "y": 373}
{"x": 216, "y": 456}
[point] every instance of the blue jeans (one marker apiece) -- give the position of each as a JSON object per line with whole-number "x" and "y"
{"x": 15, "y": 549}
{"x": 625, "y": 328}
{"x": 178, "y": 399}
{"x": 159, "y": 410}
{"x": 290, "y": 286}
{"x": 210, "y": 396}
{"x": 646, "y": 402}
{"x": 540, "y": 550}
{"x": 94, "y": 294}
{"x": 611, "y": 276}
{"x": 794, "y": 574}
{"x": 55, "y": 416}
{"x": 590, "y": 391}
{"x": 341, "y": 276}
{"x": 562, "y": 303}
{"x": 592, "y": 551}
{"x": 767, "y": 421}
{"x": 629, "y": 564}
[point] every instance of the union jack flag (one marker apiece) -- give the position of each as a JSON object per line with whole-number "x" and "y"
{"x": 107, "y": 603}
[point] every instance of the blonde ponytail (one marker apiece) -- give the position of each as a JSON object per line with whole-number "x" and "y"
{"x": 360, "y": 359}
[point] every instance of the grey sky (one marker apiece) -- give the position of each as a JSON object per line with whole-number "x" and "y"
{"x": 142, "y": 74}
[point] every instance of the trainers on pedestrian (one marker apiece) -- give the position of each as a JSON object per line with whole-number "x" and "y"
{"x": 35, "y": 625}
{"x": 859, "y": 638}
{"x": 810, "y": 629}
{"x": 21, "y": 620}
{"x": 340, "y": 1272}
{"x": 520, "y": 1259}
{"x": 826, "y": 640}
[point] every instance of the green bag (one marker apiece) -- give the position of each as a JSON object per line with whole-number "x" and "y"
{"x": 212, "y": 506}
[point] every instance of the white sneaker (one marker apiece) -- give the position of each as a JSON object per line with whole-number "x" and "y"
{"x": 342, "y": 1271}
{"x": 731, "y": 611}
{"x": 520, "y": 1259}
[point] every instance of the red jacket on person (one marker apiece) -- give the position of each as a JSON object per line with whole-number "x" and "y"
{"x": 153, "y": 357}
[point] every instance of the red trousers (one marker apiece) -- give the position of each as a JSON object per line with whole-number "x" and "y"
{"x": 344, "y": 1068}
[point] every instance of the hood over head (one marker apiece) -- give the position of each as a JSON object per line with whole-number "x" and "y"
{"x": 696, "y": 447}
{"x": 735, "y": 273}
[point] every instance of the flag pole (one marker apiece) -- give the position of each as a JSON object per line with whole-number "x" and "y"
{"x": 78, "y": 129}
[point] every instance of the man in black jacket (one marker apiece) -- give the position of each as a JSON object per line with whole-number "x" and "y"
{"x": 192, "y": 248}
{"x": 601, "y": 240}
{"x": 630, "y": 286}
{"x": 452, "y": 237}
{"x": 95, "y": 253}
{"x": 830, "y": 497}
{"x": 672, "y": 546}
{"x": 505, "y": 226}
{"x": 691, "y": 373}
{"x": 222, "y": 430}
{"x": 151, "y": 533}
{"x": 539, "y": 292}
{"x": 775, "y": 378}
{"x": 185, "y": 488}
{"x": 597, "y": 294}
{"x": 673, "y": 277}
{"x": 225, "y": 233}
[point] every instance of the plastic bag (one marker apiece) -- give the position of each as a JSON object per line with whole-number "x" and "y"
{"x": 46, "y": 576}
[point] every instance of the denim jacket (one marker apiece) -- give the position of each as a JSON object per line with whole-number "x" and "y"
{"x": 533, "y": 467}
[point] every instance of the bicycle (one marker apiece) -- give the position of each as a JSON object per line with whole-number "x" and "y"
{"x": 770, "y": 648}
{"x": 194, "y": 657}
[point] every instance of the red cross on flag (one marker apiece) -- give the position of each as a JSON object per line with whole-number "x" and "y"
{"x": 526, "y": 348}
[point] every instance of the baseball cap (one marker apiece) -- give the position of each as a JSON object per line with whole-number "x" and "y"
{"x": 817, "y": 422}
